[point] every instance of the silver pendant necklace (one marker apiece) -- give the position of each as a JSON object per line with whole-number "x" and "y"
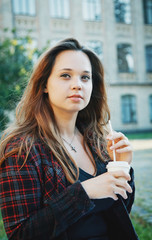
{"x": 70, "y": 144}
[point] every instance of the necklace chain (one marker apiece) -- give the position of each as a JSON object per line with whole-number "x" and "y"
{"x": 70, "y": 144}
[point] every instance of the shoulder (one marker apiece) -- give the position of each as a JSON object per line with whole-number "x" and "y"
{"x": 20, "y": 141}
{"x": 19, "y": 150}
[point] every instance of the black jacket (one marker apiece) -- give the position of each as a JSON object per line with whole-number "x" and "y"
{"x": 37, "y": 201}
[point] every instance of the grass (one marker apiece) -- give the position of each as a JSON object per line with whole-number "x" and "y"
{"x": 147, "y": 135}
{"x": 143, "y": 229}
{"x": 2, "y": 231}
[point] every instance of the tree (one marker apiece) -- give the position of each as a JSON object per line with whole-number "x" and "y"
{"x": 16, "y": 61}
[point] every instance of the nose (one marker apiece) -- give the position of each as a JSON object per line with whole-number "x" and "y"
{"x": 76, "y": 84}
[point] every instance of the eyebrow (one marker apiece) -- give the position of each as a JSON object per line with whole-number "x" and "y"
{"x": 69, "y": 69}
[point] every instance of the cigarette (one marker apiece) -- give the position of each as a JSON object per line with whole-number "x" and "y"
{"x": 114, "y": 153}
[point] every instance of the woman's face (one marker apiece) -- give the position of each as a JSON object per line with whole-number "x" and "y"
{"x": 69, "y": 86}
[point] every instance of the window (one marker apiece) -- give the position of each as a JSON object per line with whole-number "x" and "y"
{"x": 24, "y": 7}
{"x": 59, "y": 9}
{"x": 150, "y": 105}
{"x": 148, "y": 11}
{"x": 95, "y": 46}
{"x": 122, "y": 10}
{"x": 149, "y": 58}
{"x": 91, "y": 10}
{"x": 125, "y": 58}
{"x": 128, "y": 107}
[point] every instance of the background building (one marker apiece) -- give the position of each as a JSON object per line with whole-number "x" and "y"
{"x": 119, "y": 31}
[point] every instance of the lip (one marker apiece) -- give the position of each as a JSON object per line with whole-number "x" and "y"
{"x": 76, "y": 96}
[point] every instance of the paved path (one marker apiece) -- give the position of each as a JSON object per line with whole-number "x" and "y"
{"x": 142, "y": 165}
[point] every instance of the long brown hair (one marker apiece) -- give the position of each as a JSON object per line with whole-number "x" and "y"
{"x": 34, "y": 113}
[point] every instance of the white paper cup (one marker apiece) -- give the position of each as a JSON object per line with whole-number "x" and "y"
{"x": 118, "y": 165}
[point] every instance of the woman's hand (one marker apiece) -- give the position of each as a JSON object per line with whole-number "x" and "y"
{"x": 122, "y": 147}
{"x": 108, "y": 185}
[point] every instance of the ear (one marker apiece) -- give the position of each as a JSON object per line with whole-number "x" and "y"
{"x": 45, "y": 90}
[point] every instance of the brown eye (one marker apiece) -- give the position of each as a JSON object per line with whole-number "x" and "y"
{"x": 85, "y": 77}
{"x": 65, "y": 75}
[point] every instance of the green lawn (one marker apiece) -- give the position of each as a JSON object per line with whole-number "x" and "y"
{"x": 147, "y": 135}
{"x": 2, "y": 231}
{"x": 143, "y": 229}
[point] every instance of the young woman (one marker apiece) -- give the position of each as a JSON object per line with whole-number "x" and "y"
{"x": 54, "y": 183}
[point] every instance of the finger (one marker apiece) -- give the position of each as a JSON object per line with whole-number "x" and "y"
{"x": 111, "y": 143}
{"x": 123, "y": 183}
{"x": 114, "y": 135}
{"x": 125, "y": 149}
{"x": 120, "y": 144}
{"x": 120, "y": 191}
{"x": 121, "y": 173}
{"x": 114, "y": 196}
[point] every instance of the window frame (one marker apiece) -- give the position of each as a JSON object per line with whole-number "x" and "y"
{"x": 129, "y": 115}
{"x": 131, "y": 69}
{"x": 24, "y": 8}
{"x": 146, "y": 10}
{"x": 100, "y": 45}
{"x": 58, "y": 8}
{"x": 129, "y": 13}
{"x": 150, "y": 107}
{"x": 148, "y": 55}
{"x": 96, "y": 5}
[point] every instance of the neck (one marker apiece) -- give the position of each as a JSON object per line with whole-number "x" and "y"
{"x": 66, "y": 124}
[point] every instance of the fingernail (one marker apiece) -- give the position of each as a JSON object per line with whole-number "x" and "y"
{"x": 111, "y": 147}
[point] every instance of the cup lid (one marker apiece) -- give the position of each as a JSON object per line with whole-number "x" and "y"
{"x": 118, "y": 163}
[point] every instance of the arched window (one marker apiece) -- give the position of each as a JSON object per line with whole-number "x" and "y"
{"x": 128, "y": 109}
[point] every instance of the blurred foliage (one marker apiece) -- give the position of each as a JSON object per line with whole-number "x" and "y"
{"x": 145, "y": 135}
{"x": 16, "y": 61}
{"x": 143, "y": 229}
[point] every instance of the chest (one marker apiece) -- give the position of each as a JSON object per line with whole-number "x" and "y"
{"x": 83, "y": 159}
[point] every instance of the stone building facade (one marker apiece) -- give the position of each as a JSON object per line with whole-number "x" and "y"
{"x": 119, "y": 31}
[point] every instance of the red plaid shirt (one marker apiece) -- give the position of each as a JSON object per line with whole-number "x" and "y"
{"x": 37, "y": 202}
